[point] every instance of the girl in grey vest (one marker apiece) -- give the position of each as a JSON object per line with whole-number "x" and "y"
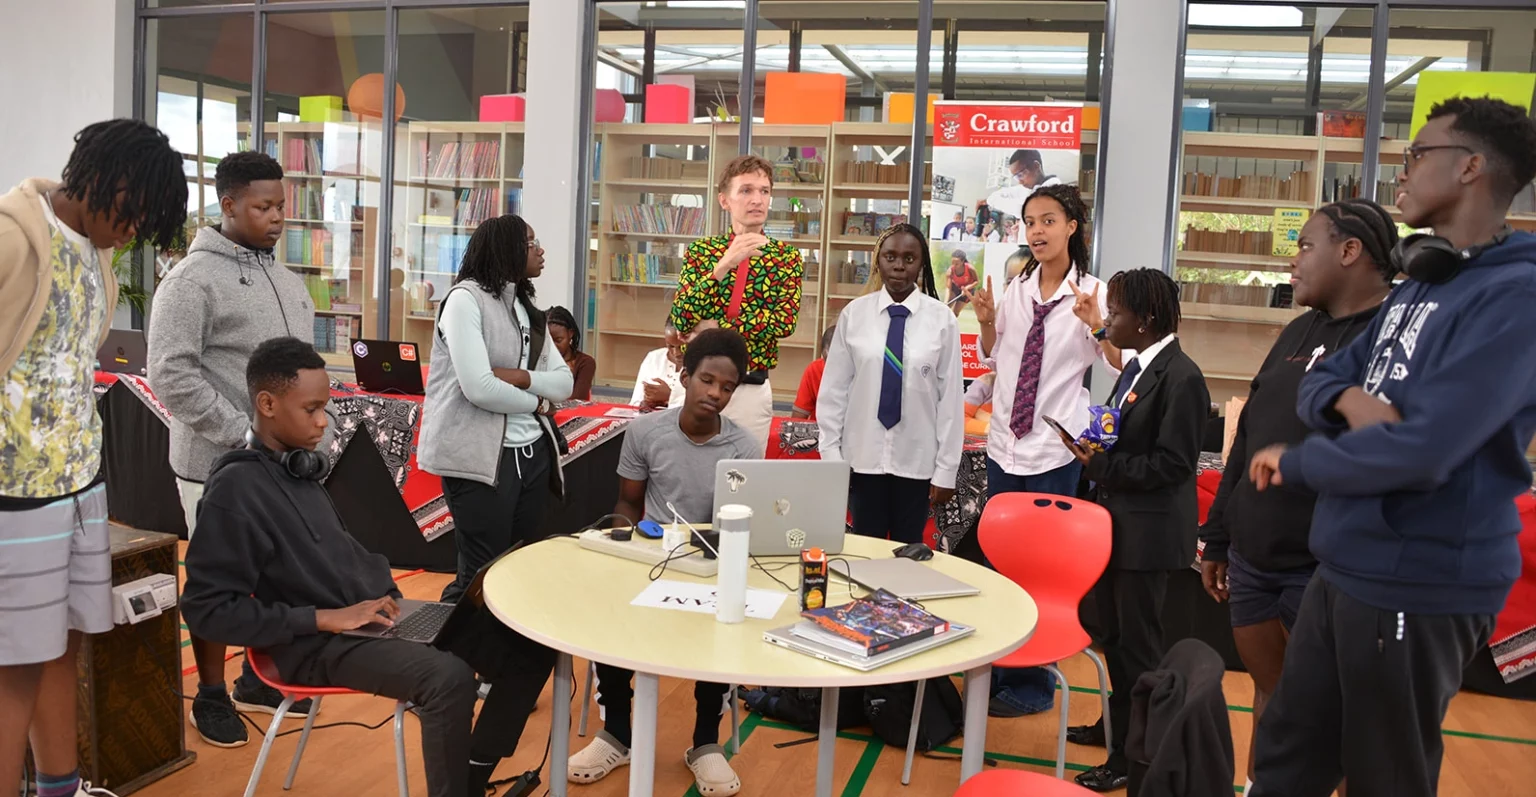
{"x": 487, "y": 427}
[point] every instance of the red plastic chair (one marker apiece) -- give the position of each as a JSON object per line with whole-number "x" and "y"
{"x": 267, "y": 672}
{"x": 1056, "y": 548}
{"x": 1014, "y": 782}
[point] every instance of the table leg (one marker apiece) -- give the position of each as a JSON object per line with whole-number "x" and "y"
{"x": 978, "y": 693}
{"x": 826, "y": 741}
{"x": 560, "y": 725}
{"x": 642, "y": 750}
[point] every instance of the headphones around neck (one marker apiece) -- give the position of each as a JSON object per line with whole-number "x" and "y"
{"x": 1432, "y": 259}
{"x": 300, "y": 463}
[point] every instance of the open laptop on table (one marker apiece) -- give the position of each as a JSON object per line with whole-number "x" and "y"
{"x": 124, "y": 352}
{"x": 387, "y": 366}
{"x": 796, "y": 504}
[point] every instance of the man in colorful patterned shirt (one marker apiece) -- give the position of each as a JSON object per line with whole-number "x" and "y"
{"x": 57, "y": 296}
{"x": 746, "y": 281}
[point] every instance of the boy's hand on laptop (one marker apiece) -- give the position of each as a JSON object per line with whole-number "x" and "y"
{"x": 380, "y": 610}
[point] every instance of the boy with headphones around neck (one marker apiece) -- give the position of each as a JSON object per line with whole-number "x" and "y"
{"x": 274, "y": 569}
{"x": 214, "y": 308}
{"x": 1423, "y": 425}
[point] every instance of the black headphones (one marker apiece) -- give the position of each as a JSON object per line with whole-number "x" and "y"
{"x": 1432, "y": 259}
{"x": 300, "y": 463}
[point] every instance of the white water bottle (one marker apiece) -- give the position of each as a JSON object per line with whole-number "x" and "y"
{"x": 735, "y": 525}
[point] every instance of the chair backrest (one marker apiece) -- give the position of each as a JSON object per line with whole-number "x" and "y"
{"x": 1053, "y": 546}
{"x": 265, "y": 668}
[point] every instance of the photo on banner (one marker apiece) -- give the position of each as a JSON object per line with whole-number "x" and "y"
{"x": 987, "y": 159}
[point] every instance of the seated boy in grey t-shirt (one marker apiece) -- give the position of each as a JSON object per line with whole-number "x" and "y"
{"x": 670, "y": 456}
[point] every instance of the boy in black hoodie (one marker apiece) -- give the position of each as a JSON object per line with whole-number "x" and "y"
{"x": 1256, "y": 543}
{"x": 1427, "y": 416}
{"x": 272, "y": 567}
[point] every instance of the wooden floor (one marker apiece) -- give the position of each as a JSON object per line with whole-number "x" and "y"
{"x": 1490, "y": 746}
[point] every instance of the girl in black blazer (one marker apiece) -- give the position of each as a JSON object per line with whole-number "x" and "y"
{"x": 1147, "y": 482}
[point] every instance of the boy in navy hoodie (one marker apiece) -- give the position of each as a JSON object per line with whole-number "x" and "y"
{"x": 1425, "y": 420}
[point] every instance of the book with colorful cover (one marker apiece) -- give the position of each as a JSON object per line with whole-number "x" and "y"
{"x": 878, "y": 623}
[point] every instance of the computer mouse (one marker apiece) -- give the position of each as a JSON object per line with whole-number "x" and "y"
{"x": 915, "y": 551}
{"x": 649, "y": 529}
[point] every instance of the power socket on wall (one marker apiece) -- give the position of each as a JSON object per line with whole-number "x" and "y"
{"x": 143, "y": 599}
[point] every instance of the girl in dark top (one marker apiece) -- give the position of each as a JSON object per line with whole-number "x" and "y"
{"x": 1256, "y": 553}
{"x": 1147, "y": 482}
{"x": 567, "y": 339}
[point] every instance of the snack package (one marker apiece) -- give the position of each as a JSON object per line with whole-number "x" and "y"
{"x": 1103, "y": 429}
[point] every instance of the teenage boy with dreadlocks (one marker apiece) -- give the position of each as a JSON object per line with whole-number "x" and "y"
{"x": 225, "y": 298}
{"x": 57, "y": 295}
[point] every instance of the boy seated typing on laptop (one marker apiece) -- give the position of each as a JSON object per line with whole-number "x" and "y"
{"x": 273, "y": 568}
{"x": 670, "y": 457}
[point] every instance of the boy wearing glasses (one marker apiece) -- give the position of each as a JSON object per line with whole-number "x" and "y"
{"x": 1425, "y": 420}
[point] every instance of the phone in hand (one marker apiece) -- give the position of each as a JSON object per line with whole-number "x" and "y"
{"x": 1055, "y": 424}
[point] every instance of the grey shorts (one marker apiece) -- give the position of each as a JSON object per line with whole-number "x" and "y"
{"x": 55, "y": 576}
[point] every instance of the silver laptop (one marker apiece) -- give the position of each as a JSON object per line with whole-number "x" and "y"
{"x": 123, "y": 352}
{"x": 903, "y": 577}
{"x": 796, "y": 504}
{"x": 786, "y": 638}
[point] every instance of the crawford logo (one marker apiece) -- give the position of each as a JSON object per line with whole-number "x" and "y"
{"x": 949, "y": 129}
{"x": 982, "y": 123}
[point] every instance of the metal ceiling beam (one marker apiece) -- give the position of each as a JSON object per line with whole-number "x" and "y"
{"x": 618, "y": 63}
{"x": 855, "y": 67}
{"x": 1396, "y": 80}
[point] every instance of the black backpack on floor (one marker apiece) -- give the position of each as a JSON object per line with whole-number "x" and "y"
{"x": 889, "y": 710}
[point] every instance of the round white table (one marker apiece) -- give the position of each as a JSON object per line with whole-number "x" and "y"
{"x": 577, "y": 602}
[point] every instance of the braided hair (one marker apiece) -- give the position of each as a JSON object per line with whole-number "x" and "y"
{"x": 1071, "y": 201}
{"x": 1368, "y": 222}
{"x": 498, "y": 255}
{"x": 127, "y": 170}
{"x": 1150, "y": 295}
{"x": 559, "y": 316}
{"x": 926, "y": 278}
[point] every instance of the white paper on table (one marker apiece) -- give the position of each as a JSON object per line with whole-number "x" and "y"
{"x": 622, "y": 412}
{"x": 762, "y": 604}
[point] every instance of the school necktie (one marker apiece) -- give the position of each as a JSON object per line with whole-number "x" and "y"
{"x": 1027, "y": 390}
{"x": 890, "y": 375}
{"x": 1127, "y": 378}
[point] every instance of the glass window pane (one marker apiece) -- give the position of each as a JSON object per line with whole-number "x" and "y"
{"x": 460, "y": 148}
{"x": 1273, "y": 113}
{"x": 198, "y": 70}
{"x": 324, "y": 94}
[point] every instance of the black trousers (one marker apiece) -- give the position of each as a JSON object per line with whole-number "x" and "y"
{"x": 888, "y": 507}
{"x": 1130, "y": 604}
{"x": 615, "y": 693}
{"x": 1362, "y": 696}
{"x": 489, "y": 520}
{"x": 443, "y": 687}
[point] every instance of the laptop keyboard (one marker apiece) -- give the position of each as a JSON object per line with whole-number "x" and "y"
{"x": 424, "y": 623}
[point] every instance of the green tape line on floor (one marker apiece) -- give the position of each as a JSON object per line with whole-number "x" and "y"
{"x": 863, "y": 769}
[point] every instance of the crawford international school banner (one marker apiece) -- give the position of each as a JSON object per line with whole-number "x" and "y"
{"x": 987, "y": 159}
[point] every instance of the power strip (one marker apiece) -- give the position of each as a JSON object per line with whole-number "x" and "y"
{"x": 649, "y": 552}
{"x": 140, "y": 600}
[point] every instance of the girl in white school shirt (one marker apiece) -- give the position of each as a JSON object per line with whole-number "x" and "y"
{"x": 892, "y": 397}
{"x": 1039, "y": 337}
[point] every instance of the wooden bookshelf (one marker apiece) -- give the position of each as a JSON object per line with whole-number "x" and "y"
{"x": 455, "y": 176}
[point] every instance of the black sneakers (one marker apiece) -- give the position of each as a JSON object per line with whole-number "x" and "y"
{"x": 265, "y": 699}
{"x": 216, "y": 721}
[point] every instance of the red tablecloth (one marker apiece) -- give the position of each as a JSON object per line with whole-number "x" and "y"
{"x": 393, "y": 423}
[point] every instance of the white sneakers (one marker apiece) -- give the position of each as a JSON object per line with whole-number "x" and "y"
{"x": 712, "y": 774}
{"x": 85, "y": 790}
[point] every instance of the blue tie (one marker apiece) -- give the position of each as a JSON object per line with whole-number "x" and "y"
{"x": 1127, "y": 378}
{"x": 890, "y": 375}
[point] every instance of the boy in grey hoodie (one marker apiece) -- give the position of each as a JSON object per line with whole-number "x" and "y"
{"x": 227, "y": 297}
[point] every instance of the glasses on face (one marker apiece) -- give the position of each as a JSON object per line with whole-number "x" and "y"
{"x": 533, "y": 243}
{"x": 1412, "y": 154}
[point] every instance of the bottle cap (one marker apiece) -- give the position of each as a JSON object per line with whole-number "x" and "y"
{"x": 735, "y": 512}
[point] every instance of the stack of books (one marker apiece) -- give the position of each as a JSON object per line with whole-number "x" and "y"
{"x": 869, "y": 626}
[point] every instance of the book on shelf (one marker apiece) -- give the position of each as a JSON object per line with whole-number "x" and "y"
{"x": 1240, "y": 295}
{"x": 334, "y": 335}
{"x": 641, "y": 168}
{"x": 302, "y": 155}
{"x": 514, "y": 204}
{"x": 459, "y": 160}
{"x": 450, "y": 253}
{"x": 1229, "y": 242}
{"x": 660, "y": 219}
{"x": 1296, "y": 187}
{"x": 473, "y": 206}
{"x": 647, "y": 269}
{"x": 852, "y": 272}
{"x": 894, "y": 174}
{"x": 875, "y": 624}
{"x": 870, "y": 223}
